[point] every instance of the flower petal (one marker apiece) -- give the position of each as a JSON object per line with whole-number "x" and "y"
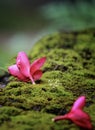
{"x": 13, "y": 70}
{"x": 23, "y": 63}
{"x": 77, "y": 115}
{"x": 79, "y": 103}
{"x": 37, "y": 75}
{"x": 37, "y": 64}
{"x": 80, "y": 118}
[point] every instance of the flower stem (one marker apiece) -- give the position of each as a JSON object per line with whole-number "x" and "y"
{"x": 32, "y": 80}
{"x": 57, "y": 118}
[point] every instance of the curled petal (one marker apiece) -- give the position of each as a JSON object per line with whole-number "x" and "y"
{"x": 37, "y": 75}
{"x": 79, "y": 103}
{"x": 37, "y": 64}
{"x": 80, "y": 118}
{"x": 77, "y": 115}
{"x": 23, "y": 63}
{"x": 13, "y": 70}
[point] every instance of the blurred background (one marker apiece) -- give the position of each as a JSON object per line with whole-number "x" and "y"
{"x": 23, "y": 22}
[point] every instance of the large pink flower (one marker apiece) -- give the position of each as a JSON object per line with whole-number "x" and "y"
{"x": 25, "y": 71}
{"x": 77, "y": 115}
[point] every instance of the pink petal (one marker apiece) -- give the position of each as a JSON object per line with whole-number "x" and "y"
{"x": 37, "y": 64}
{"x": 80, "y": 118}
{"x": 77, "y": 115}
{"x": 13, "y": 70}
{"x": 79, "y": 103}
{"x": 37, "y": 75}
{"x": 23, "y": 63}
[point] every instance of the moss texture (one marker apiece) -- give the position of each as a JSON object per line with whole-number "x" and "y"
{"x": 68, "y": 73}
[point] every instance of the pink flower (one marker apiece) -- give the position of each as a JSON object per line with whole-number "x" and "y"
{"x": 77, "y": 115}
{"x": 25, "y": 71}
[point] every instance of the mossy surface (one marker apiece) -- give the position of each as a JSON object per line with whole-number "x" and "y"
{"x": 68, "y": 73}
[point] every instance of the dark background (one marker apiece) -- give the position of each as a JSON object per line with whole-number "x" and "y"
{"x": 36, "y": 14}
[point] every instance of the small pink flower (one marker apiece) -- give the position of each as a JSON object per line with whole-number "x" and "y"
{"x": 77, "y": 115}
{"x": 25, "y": 71}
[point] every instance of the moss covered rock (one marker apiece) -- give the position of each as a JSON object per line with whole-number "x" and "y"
{"x": 68, "y": 73}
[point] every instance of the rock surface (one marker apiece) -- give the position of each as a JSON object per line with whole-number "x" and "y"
{"x": 68, "y": 73}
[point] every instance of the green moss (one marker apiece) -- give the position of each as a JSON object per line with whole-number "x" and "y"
{"x": 34, "y": 120}
{"x": 9, "y": 111}
{"x": 56, "y": 40}
{"x": 68, "y": 73}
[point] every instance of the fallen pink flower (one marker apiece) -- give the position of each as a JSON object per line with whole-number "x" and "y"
{"x": 25, "y": 71}
{"x": 77, "y": 115}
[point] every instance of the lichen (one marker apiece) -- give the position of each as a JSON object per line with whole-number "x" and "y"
{"x": 68, "y": 73}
